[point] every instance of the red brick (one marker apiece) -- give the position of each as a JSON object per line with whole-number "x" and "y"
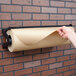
{"x": 50, "y": 49}
{"x": 63, "y": 47}
{"x": 56, "y": 17}
{"x": 0, "y": 24}
{"x": 36, "y": 74}
{"x": 40, "y": 16}
{"x": 55, "y": 54}
{"x": 21, "y": 16}
{"x": 63, "y": 58}
{"x": 69, "y": 73}
{"x": 57, "y": 3}
{"x": 45, "y": 23}
{"x": 1, "y": 49}
{"x": 30, "y": 52}
{"x": 73, "y": 56}
{"x": 73, "y": 22}
{"x": 4, "y": 39}
{"x": 66, "y": 63}
{"x": 31, "y": 9}
{"x": 22, "y": 59}
{"x": 47, "y": 61}
{"x": 23, "y": 71}
{"x": 64, "y": 10}
{"x": 1, "y": 69}
{"x": 6, "y": 61}
{"x": 41, "y": 2}
{"x": 13, "y": 67}
{"x": 40, "y": 56}
{"x": 74, "y": 75}
{"x": 72, "y": 67}
{"x": 49, "y": 72}
{"x": 74, "y": 11}
{"x": 74, "y": 0}
{"x": 5, "y": 1}
{"x": 60, "y": 74}
{"x": 31, "y": 23}
{"x": 0, "y": 32}
{"x": 10, "y": 8}
{"x": 62, "y": 69}
{"x": 7, "y": 74}
{"x": 9, "y": 54}
{"x": 0, "y": 40}
{"x": 70, "y": 17}
{"x": 40, "y": 68}
{"x": 68, "y": 0}
{"x": 5, "y": 16}
{"x": 70, "y": 4}
{"x": 55, "y": 65}
{"x": 64, "y": 22}
{"x": 31, "y": 64}
{"x": 6, "y": 24}
{"x": 49, "y": 10}
{"x": 0, "y": 55}
{"x": 66, "y": 52}
{"x": 22, "y": 2}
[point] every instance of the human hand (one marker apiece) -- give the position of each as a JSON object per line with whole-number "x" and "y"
{"x": 65, "y": 32}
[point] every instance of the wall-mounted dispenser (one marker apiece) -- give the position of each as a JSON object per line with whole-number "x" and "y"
{"x": 32, "y": 37}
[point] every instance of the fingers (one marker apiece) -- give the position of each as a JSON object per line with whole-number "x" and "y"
{"x": 65, "y": 36}
{"x": 62, "y": 32}
{"x": 61, "y": 29}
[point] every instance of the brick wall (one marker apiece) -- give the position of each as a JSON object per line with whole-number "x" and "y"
{"x": 55, "y": 61}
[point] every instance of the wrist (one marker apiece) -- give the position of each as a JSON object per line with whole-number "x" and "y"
{"x": 71, "y": 36}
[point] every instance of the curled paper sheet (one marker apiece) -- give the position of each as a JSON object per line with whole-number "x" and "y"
{"x": 33, "y": 38}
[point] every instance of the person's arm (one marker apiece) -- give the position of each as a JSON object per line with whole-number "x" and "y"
{"x": 67, "y": 33}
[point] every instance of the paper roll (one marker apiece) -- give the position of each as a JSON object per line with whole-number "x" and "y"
{"x": 33, "y": 38}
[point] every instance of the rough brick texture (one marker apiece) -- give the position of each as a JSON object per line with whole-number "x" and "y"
{"x": 52, "y": 61}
